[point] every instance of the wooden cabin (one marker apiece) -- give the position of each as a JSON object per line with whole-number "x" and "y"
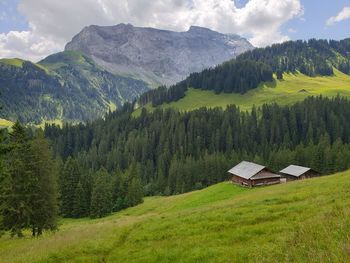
{"x": 252, "y": 174}
{"x": 296, "y": 172}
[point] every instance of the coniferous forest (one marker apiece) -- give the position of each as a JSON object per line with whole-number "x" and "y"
{"x": 36, "y": 188}
{"x": 167, "y": 152}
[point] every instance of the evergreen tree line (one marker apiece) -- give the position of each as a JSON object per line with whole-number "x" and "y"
{"x": 231, "y": 77}
{"x": 97, "y": 194}
{"x": 163, "y": 95}
{"x": 177, "y": 152}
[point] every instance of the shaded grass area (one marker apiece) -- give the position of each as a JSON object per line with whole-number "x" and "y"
{"x": 293, "y": 88}
{"x": 12, "y": 61}
{"x": 305, "y": 221}
{"x": 5, "y": 123}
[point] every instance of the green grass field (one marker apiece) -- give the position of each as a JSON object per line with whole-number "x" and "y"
{"x": 287, "y": 91}
{"x": 305, "y": 221}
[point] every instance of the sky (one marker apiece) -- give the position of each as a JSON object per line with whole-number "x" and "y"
{"x": 33, "y": 29}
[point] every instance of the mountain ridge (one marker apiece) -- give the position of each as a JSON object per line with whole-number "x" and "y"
{"x": 155, "y": 55}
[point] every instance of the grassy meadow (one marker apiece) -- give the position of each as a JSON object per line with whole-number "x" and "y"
{"x": 304, "y": 221}
{"x": 293, "y": 88}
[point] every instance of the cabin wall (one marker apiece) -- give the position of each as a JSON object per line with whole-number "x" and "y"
{"x": 265, "y": 181}
{"x": 289, "y": 177}
{"x": 241, "y": 181}
{"x": 257, "y": 182}
{"x": 308, "y": 174}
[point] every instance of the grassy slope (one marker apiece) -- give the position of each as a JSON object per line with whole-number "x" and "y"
{"x": 5, "y": 123}
{"x": 62, "y": 59}
{"x": 12, "y": 61}
{"x": 306, "y": 221}
{"x": 282, "y": 92}
{"x": 16, "y": 62}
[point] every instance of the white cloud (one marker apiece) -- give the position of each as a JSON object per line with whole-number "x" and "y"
{"x": 27, "y": 45}
{"x": 343, "y": 15}
{"x": 53, "y": 23}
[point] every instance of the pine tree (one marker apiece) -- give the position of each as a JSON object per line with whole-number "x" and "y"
{"x": 44, "y": 197}
{"x": 18, "y": 193}
{"x": 135, "y": 192}
{"x": 68, "y": 182}
{"x": 101, "y": 199}
{"x": 5, "y": 195}
{"x": 229, "y": 140}
{"x": 80, "y": 202}
{"x": 28, "y": 194}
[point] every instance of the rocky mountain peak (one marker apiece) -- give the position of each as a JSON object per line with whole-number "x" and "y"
{"x": 154, "y": 55}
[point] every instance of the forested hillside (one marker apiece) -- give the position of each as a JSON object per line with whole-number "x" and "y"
{"x": 248, "y": 70}
{"x": 174, "y": 152}
{"x": 66, "y": 86}
{"x": 312, "y": 57}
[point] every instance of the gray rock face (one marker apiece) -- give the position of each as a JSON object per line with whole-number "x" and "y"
{"x": 156, "y": 56}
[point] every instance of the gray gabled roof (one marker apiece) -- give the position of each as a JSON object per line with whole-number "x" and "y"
{"x": 246, "y": 170}
{"x": 295, "y": 170}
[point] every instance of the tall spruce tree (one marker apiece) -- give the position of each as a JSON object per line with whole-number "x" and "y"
{"x": 134, "y": 193}
{"x": 5, "y": 184}
{"x": 68, "y": 182}
{"x": 17, "y": 195}
{"x": 28, "y": 196}
{"x": 44, "y": 197}
{"x": 101, "y": 199}
{"x": 79, "y": 204}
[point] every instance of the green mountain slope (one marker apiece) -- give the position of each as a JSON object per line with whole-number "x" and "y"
{"x": 293, "y": 88}
{"x": 312, "y": 67}
{"x": 65, "y": 86}
{"x": 304, "y": 221}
